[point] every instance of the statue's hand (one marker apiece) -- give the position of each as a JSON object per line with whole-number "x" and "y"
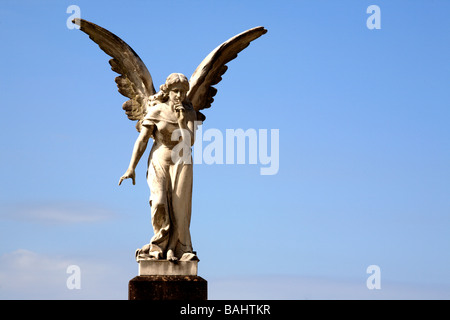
{"x": 181, "y": 111}
{"x": 129, "y": 174}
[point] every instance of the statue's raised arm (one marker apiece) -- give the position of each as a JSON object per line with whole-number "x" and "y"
{"x": 135, "y": 81}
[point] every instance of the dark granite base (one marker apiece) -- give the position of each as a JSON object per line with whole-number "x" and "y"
{"x": 167, "y": 288}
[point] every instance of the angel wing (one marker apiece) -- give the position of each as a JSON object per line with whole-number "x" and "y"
{"x": 135, "y": 81}
{"x": 211, "y": 69}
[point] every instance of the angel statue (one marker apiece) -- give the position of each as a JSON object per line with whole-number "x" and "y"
{"x": 174, "y": 111}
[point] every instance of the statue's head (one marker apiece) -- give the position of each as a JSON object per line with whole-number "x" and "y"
{"x": 176, "y": 79}
{"x": 175, "y": 87}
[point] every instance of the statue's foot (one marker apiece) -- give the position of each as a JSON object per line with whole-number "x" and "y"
{"x": 189, "y": 256}
{"x": 171, "y": 256}
{"x": 144, "y": 253}
{"x": 155, "y": 255}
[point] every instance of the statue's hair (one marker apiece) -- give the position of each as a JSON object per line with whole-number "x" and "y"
{"x": 163, "y": 94}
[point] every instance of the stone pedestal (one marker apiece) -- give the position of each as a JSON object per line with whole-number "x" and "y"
{"x": 167, "y": 268}
{"x": 165, "y": 280}
{"x": 167, "y": 288}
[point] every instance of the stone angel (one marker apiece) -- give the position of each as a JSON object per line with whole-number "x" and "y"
{"x": 174, "y": 111}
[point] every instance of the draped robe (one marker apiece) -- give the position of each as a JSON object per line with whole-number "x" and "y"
{"x": 170, "y": 183}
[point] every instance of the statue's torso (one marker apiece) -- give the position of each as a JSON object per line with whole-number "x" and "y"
{"x": 165, "y": 122}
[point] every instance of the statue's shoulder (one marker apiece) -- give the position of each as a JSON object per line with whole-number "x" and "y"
{"x": 160, "y": 112}
{"x": 153, "y": 111}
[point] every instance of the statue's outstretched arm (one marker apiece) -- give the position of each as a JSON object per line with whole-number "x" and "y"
{"x": 139, "y": 148}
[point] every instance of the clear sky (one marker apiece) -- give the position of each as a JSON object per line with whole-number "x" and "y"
{"x": 364, "y": 154}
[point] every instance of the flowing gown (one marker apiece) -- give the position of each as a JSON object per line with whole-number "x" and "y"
{"x": 170, "y": 184}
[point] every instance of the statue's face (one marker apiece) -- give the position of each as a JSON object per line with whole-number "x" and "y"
{"x": 177, "y": 93}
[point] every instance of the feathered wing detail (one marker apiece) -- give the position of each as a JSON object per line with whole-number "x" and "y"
{"x": 135, "y": 81}
{"x": 210, "y": 70}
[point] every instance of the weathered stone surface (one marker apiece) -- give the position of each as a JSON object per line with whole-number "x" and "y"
{"x": 167, "y": 288}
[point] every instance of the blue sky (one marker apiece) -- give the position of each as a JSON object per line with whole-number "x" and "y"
{"x": 364, "y": 149}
